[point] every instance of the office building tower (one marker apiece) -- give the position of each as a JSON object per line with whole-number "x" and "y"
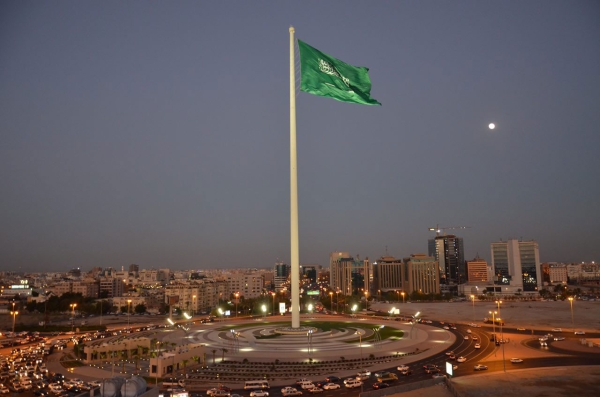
{"x": 389, "y": 274}
{"x": 517, "y": 264}
{"x": 348, "y": 275}
{"x": 422, "y": 274}
{"x": 449, "y": 253}
{"x": 281, "y": 275}
{"x": 478, "y": 271}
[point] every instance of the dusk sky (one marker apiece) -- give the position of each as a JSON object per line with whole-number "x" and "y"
{"x": 157, "y": 133}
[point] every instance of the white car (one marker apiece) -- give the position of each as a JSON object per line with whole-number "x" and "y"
{"x": 259, "y": 393}
{"x": 290, "y": 391}
{"x": 557, "y": 330}
{"x": 477, "y": 346}
{"x": 55, "y": 387}
{"x": 331, "y": 386}
{"x": 520, "y": 329}
{"x": 516, "y": 360}
{"x": 559, "y": 338}
{"x": 403, "y": 368}
{"x": 579, "y": 332}
{"x": 468, "y": 331}
{"x": 480, "y": 367}
{"x": 315, "y": 390}
{"x": 466, "y": 337}
{"x": 353, "y": 383}
{"x": 461, "y": 359}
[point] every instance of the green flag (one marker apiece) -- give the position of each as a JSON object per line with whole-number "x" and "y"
{"x": 325, "y": 75}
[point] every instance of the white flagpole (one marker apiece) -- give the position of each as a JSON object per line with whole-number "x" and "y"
{"x": 295, "y": 255}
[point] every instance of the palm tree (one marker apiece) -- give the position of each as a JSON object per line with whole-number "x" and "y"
{"x": 224, "y": 351}
{"x": 214, "y": 352}
{"x": 184, "y": 362}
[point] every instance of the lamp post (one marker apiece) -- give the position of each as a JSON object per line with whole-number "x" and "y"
{"x": 73, "y": 306}
{"x": 572, "y": 318}
{"x": 360, "y": 334}
{"x": 337, "y": 301}
{"x": 237, "y": 296}
{"x": 128, "y": 312}
{"x": 264, "y": 310}
{"x": 331, "y": 300}
{"x": 157, "y": 359}
{"x": 494, "y": 323}
{"x": 273, "y": 311}
{"x": 193, "y": 305}
{"x": 473, "y": 300}
{"x": 309, "y": 336}
{"x": 398, "y": 296}
{"x": 367, "y": 300}
{"x": 403, "y": 293}
{"x": 14, "y": 314}
{"x": 499, "y": 302}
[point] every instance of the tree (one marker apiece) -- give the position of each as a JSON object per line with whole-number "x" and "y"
{"x": 224, "y": 351}
{"x": 140, "y": 309}
{"x": 184, "y": 362}
{"x": 214, "y": 353}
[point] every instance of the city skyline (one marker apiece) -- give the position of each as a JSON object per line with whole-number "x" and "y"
{"x": 158, "y": 134}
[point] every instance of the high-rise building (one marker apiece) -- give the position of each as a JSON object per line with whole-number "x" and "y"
{"x": 281, "y": 275}
{"x": 449, "y": 253}
{"x": 389, "y": 274}
{"x": 478, "y": 271}
{"x": 517, "y": 263}
{"x": 423, "y": 274}
{"x": 348, "y": 275}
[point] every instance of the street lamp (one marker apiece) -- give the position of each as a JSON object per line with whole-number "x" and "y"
{"x": 237, "y": 296}
{"x": 337, "y": 301}
{"x": 193, "y": 305}
{"x": 73, "y": 306}
{"x": 494, "y": 323}
{"x": 264, "y": 310}
{"x": 14, "y": 314}
{"x": 403, "y": 293}
{"x": 309, "y": 336}
{"x": 367, "y": 300}
{"x": 570, "y": 301}
{"x": 360, "y": 334}
{"x": 331, "y": 300}
{"x": 398, "y": 296}
{"x": 473, "y": 301}
{"x": 499, "y": 302}
{"x": 128, "y": 312}
{"x": 273, "y": 311}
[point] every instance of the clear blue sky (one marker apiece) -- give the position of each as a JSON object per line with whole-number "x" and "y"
{"x": 157, "y": 133}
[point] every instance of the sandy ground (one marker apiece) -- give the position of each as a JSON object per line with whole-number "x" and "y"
{"x": 538, "y": 315}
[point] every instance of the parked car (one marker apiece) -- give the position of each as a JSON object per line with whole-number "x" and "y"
{"x": 331, "y": 386}
{"x": 579, "y": 332}
{"x": 480, "y": 367}
{"x": 315, "y": 390}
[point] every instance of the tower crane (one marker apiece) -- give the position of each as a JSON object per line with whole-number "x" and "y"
{"x": 438, "y": 229}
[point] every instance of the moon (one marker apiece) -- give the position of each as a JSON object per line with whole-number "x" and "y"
{"x": 492, "y": 126}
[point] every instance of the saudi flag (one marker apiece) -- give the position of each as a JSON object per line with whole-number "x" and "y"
{"x": 325, "y": 75}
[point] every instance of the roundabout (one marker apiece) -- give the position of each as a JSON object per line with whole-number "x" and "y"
{"x": 317, "y": 340}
